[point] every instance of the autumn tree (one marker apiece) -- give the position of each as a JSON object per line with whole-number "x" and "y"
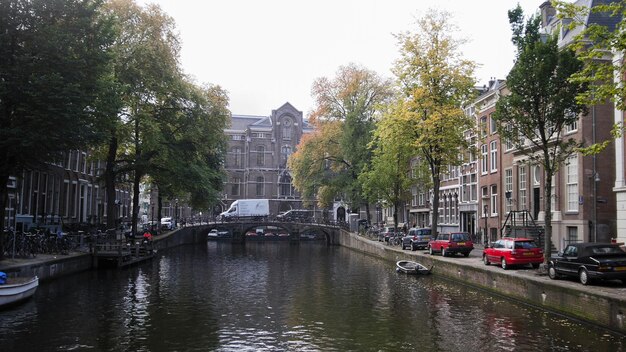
{"x": 541, "y": 103}
{"x": 388, "y": 177}
{"x": 314, "y": 167}
{"x": 53, "y": 69}
{"x": 354, "y": 98}
{"x": 435, "y": 82}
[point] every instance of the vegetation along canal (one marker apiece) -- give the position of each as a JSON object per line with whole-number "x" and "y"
{"x": 279, "y": 297}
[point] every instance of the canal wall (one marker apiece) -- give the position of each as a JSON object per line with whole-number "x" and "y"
{"x": 595, "y": 305}
{"x": 48, "y": 267}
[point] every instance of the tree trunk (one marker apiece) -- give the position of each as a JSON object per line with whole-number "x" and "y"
{"x": 436, "y": 185}
{"x": 136, "y": 182}
{"x": 109, "y": 181}
{"x": 547, "y": 201}
{"x": 159, "y": 209}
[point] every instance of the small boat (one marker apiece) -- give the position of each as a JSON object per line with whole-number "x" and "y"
{"x": 17, "y": 289}
{"x": 411, "y": 267}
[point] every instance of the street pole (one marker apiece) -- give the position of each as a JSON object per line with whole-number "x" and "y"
{"x": 176, "y": 213}
{"x": 485, "y": 213}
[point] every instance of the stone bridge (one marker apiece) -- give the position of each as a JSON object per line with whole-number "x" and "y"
{"x": 238, "y": 229}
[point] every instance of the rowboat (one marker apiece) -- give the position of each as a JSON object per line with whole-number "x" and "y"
{"x": 411, "y": 267}
{"x": 17, "y": 289}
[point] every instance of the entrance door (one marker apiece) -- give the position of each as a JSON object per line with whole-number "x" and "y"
{"x": 536, "y": 202}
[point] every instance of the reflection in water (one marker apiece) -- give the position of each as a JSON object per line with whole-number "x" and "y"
{"x": 275, "y": 296}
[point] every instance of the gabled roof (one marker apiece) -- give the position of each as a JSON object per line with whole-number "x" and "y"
{"x": 241, "y": 122}
{"x": 599, "y": 18}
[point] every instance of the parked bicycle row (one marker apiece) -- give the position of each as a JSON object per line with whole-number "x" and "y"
{"x": 30, "y": 244}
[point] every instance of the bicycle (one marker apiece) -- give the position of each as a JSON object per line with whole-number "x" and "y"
{"x": 395, "y": 240}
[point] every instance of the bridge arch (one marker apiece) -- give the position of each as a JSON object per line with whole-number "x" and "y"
{"x": 239, "y": 229}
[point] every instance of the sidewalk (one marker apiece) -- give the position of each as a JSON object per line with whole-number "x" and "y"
{"x": 9, "y": 264}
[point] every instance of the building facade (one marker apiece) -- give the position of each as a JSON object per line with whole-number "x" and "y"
{"x": 64, "y": 194}
{"x": 256, "y": 160}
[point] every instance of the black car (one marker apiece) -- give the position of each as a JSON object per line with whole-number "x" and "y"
{"x": 589, "y": 261}
{"x": 416, "y": 239}
{"x": 297, "y": 215}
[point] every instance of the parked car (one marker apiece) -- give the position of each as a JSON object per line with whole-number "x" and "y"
{"x": 589, "y": 261}
{"x": 509, "y": 251}
{"x": 215, "y": 233}
{"x": 298, "y": 215}
{"x": 386, "y": 232}
{"x": 451, "y": 243}
{"x": 167, "y": 223}
{"x": 416, "y": 239}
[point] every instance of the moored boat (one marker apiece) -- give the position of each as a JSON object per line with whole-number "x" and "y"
{"x": 411, "y": 267}
{"x": 17, "y": 289}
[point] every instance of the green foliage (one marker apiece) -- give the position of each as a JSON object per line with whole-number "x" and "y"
{"x": 542, "y": 99}
{"x": 54, "y": 62}
{"x": 594, "y": 45}
{"x": 541, "y": 103}
{"x": 54, "y": 66}
{"x": 388, "y": 177}
{"x": 351, "y": 103}
{"x": 435, "y": 82}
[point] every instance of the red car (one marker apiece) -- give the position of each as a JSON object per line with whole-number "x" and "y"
{"x": 509, "y": 251}
{"x": 451, "y": 243}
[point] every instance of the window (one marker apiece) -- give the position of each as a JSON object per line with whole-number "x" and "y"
{"x": 572, "y": 234}
{"x": 235, "y": 187}
{"x": 237, "y": 157}
{"x": 421, "y": 199}
{"x": 521, "y": 197}
{"x": 82, "y": 165}
{"x": 287, "y": 128}
{"x": 285, "y": 151}
{"x": 465, "y": 188}
{"x": 74, "y": 160}
{"x": 508, "y": 188}
{"x": 485, "y": 192}
{"x": 285, "y": 187}
{"x": 572, "y": 183}
{"x": 483, "y": 160}
{"x": 493, "y": 127}
{"x": 260, "y": 186}
{"x": 494, "y": 200}
{"x": 508, "y": 142}
{"x": 472, "y": 151}
{"x": 573, "y": 126}
{"x": 473, "y": 187}
{"x": 260, "y": 155}
{"x": 483, "y": 126}
{"x": 414, "y": 196}
{"x": 494, "y": 156}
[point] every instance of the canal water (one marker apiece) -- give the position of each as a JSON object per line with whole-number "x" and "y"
{"x": 279, "y": 297}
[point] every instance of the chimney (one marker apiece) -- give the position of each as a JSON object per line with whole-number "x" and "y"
{"x": 547, "y": 12}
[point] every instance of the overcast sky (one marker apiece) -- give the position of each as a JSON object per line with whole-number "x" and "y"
{"x": 268, "y": 52}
